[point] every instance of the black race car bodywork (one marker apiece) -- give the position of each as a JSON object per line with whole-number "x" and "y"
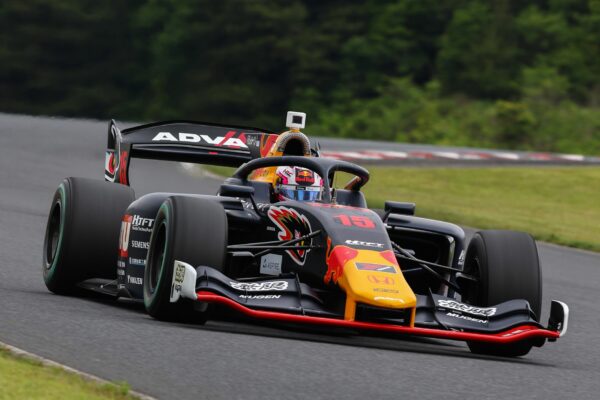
{"x": 334, "y": 262}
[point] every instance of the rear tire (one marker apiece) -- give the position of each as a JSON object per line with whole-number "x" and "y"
{"x": 82, "y": 233}
{"x": 508, "y": 268}
{"x": 188, "y": 229}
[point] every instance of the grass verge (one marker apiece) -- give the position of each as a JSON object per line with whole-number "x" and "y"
{"x": 25, "y": 378}
{"x": 555, "y": 204}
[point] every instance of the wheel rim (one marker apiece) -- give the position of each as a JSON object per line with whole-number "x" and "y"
{"x": 157, "y": 256}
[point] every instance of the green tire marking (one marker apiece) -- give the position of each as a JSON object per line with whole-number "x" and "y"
{"x": 148, "y": 302}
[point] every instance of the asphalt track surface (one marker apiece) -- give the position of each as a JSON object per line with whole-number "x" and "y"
{"x": 227, "y": 359}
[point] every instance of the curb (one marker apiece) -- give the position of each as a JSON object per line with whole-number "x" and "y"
{"x": 49, "y": 363}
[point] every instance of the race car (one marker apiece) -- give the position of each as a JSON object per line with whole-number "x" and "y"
{"x": 281, "y": 242}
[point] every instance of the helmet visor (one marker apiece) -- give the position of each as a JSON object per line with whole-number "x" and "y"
{"x": 300, "y": 193}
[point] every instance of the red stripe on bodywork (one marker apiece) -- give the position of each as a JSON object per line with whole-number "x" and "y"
{"x": 336, "y": 260}
{"x": 266, "y": 142}
{"x": 229, "y": 135}
{"x": 123, "y": 168}
{"x": 509, "y": 336}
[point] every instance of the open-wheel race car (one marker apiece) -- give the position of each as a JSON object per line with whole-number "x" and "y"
{"x": 279, "y": 242}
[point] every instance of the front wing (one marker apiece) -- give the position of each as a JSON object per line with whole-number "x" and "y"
{"x": 286, "y": 299}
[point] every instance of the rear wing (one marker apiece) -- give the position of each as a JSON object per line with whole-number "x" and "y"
{"x": 185, "y": 141}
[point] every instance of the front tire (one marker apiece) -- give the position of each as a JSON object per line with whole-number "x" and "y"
{"x": 82, "y": 232}
{"x": 188, "y": 229}
{"x": 508, "y": 267}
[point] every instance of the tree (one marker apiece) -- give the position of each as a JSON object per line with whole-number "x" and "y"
{"x": 479, "y": 56}
{"x": 222, "y": 61}
{"x": 65, "y": 57}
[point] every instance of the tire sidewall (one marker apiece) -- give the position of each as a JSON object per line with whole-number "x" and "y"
{"x": 196, "y": 233}
{"x": 88, "y": 232}
{"x": 155, "y": 297}
{"x": 490, "y": 293}
{"x": 50, "y": 270}
{"x": 523, "y": 264}
{"x": 477, "y": 264}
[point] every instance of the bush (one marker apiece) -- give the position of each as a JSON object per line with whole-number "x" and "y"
{"x": 515, "y": 124}
{"x": 407, "y": 113}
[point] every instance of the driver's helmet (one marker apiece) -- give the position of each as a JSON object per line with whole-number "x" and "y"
{"x": 295, "y": 183}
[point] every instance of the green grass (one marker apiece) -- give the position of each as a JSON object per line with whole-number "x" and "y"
{"x": 24, "y": 378}
{"x": 555, "y": 204}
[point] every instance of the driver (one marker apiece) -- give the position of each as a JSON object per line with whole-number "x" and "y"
{"x": 291, "y": 182}
{"x": 296, "y": 183}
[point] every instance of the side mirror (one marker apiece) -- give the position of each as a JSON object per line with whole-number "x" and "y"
{"x": 397, "y": 207}
{"x": 236, "y": 191}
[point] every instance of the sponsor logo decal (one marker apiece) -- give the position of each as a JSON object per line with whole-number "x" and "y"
{"x": 260, "y": 296}
{"x": 292, "y": 225}
{"x": 270, "y": 264}
{"x": 305, "y": 176}
{"x": 252, "y": 141}
{"x": 220, "y": 141}
{"x": 140, "y": 245}
{"x": 466, "y": 317}
{"x": 260, "y": 286}
{"x": 121, "y": 264}
{"x": 375, "y": 267}
{"x": 285, "y": 172}
{"x": 381, "y": 280}
{"x": 124, "y": 236}
{"x": 137, "y": 261}
{"x": 120, "y": 272}
{"x": 142, "y": 224}
{"x": 178, "y": 278}
{"x": 385, "y": 290}
{"x": 135, "y": 280}
{"x": 179, "y": 274}
{"x": 365, "y": 244}
{"x": 183, "y": 281}
{"x": 260, "y": 206}
{"x": 465, "y": 308}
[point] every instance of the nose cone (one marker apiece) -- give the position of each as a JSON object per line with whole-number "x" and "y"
{"x": 371, "y": 277}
